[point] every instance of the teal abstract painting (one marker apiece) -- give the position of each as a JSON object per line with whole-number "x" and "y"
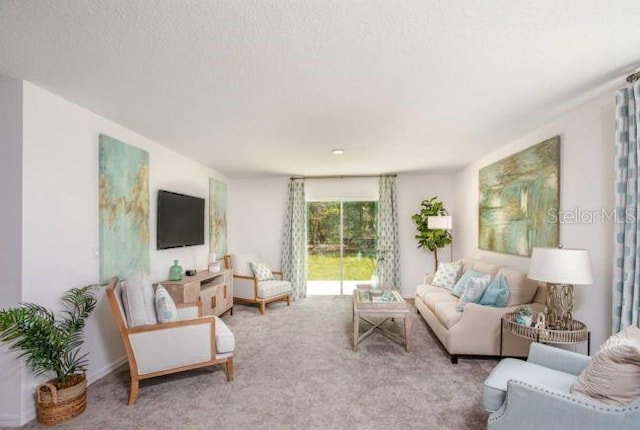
{"x": 123, "y": 208}
{"x": 217, "y": 217}
{"x": 519, "y": 200}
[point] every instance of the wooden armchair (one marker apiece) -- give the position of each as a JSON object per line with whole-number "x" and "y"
{"x": 160, "y": 349}
{"x": 247, "y": 289}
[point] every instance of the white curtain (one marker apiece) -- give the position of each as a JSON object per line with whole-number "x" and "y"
{"x": 388, "y": 230}
{"x": 294, "y": 244}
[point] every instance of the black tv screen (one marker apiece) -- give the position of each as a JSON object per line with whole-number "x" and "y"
{"x": 180, "y": 220}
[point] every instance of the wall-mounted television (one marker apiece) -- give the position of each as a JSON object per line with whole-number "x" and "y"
{"x": 180, "y": 220}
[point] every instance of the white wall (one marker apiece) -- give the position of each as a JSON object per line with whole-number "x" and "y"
{"x": 60, "y": 214}
{"x": 10, "y": 234}
{"x": 257, "y": 208}
{"x": 587, "y": 176}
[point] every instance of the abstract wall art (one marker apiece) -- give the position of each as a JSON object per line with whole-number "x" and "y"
{"x": 519, "y": 200}
{"x": 123, "y": 208}
{"x": 217, "y": 217}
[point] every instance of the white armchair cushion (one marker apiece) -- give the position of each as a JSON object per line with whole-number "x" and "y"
{"x": 225, "y": 341}
{"x": 268, "y": 289}
{"x": 166, "y": 310}
{"x": 138, "y": 300}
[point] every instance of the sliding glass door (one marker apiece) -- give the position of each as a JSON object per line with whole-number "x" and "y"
{"x": 341, "y": 245}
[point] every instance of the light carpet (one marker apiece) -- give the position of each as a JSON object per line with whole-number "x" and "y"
{"x": 295, "y": 368}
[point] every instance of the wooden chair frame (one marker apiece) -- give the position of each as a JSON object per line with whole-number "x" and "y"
{"x": 125, "y": 331}
{"x": 256, "y": 300}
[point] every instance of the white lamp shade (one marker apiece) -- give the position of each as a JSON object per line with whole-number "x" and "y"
{"x": 561, "y": 266}
{"x": 443, "y": 222}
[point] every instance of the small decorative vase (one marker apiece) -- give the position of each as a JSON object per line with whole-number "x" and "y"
{"x": 375, "y": 283}
{"x": 175, "y": 272}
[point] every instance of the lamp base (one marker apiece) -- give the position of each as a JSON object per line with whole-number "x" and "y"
{"x": 559, "y": 306}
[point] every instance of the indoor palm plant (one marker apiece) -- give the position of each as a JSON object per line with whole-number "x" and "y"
{"x": 52, "y": 345}
{"x": 428, "y": 238}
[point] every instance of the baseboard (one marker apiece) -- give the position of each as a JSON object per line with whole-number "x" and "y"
{"x": 7, "y": 420}
{"x": 105, "y": 370}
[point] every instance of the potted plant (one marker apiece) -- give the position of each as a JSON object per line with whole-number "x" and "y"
{"x": 52, "y": 345}
{"x": 524, "y": 315}
{"x": 427, "y": 238}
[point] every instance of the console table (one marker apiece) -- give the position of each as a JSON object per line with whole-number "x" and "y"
{"x": 577, "y": 334}
{"x": 214, "y": 290}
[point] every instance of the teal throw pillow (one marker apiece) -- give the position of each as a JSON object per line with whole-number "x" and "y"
{"x": 462, "y": 282}
{"x": 473, "y": 291}
{"x": 497, "y": 293}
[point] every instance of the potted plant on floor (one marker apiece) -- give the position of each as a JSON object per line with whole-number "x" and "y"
{"x": 428, "y": 238}
{"x": 51, "y": 345}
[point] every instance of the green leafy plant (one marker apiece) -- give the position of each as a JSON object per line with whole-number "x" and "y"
{"x": 427, "y": 238}
{"x": 524, "y": 310}
{"x": 48, "y": 344}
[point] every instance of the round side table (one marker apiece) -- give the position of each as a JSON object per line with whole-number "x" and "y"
{"x": 579, "y": 333}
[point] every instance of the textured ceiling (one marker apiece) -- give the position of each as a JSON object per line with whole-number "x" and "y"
{"x": 269, "y": 87}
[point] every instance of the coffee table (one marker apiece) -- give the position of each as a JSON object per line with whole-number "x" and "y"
{"x": 391, "y": 306}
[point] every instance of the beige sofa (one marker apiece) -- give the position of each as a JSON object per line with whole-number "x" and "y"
{"x": 476, "y": 331}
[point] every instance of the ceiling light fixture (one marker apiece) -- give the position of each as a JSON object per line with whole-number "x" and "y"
{"x": 337, "y": 151}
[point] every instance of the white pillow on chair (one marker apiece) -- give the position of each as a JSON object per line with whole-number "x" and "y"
{"x": 166, "y": 309}
{"x": 138, "y": 300}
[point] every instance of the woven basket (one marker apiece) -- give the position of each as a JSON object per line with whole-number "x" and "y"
{"x": 57, "y": 405}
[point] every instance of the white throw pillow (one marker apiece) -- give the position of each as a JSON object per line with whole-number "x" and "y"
{"x": 613, "y": 374}
{"x": 446, "y": 275}
{"x": 138, "y": 300}
{"x": 166, "y": 309}
{"x": 262, "y": 271}
{"x": 473, "y": 291}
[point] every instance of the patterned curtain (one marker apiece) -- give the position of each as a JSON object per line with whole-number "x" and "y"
{"x": 294, "y": 244}
{"x": 388, "y": 230}
{"x": 626, "y": 274}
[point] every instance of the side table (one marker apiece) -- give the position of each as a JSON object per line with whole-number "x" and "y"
{"x": 577, "y": 334}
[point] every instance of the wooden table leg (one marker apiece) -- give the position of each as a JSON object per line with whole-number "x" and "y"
{"x": 356, "y": 329}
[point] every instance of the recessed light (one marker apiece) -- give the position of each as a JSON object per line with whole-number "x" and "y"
{"x": 337, "y": 151}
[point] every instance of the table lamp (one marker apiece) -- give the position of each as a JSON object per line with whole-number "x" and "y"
{"x": 441, "y": 222}
{"x": 561, "y": 268}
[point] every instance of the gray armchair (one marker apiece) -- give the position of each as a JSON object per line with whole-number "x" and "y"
{"x": 536, "y": 394}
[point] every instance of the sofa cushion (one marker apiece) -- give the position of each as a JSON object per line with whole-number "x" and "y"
{"x": 447, "y": 313}
{"x": 432, "y": 298}
{"x": 495, "y": 387}
{"x": 497, "y": 293}
{"x": 486, "y": 267}
{"x": 613, "y": 374}
{"x": 225, "y": 341}
{"x": 521, "y": 289}
{"x": 138, "y": 300}
{"x": 473, "y": 291}
{"x": 464, "y": 279}
{"x": 422, "y": 290}
{"x": 267, "y": 289}
{"x": 446, "y": 275}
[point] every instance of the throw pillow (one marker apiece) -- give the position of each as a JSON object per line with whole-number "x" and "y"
{"x": 137, "y": 300}
{"x": 473, "y": 291}
{"x": 261, "y": 271}
{"x": 462, "y": 282}
{"x": 613, "y": 374}
{"x": 497, "y": 293}
{"x": 165, "y": 306}
{"x": 446, "y": 275}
